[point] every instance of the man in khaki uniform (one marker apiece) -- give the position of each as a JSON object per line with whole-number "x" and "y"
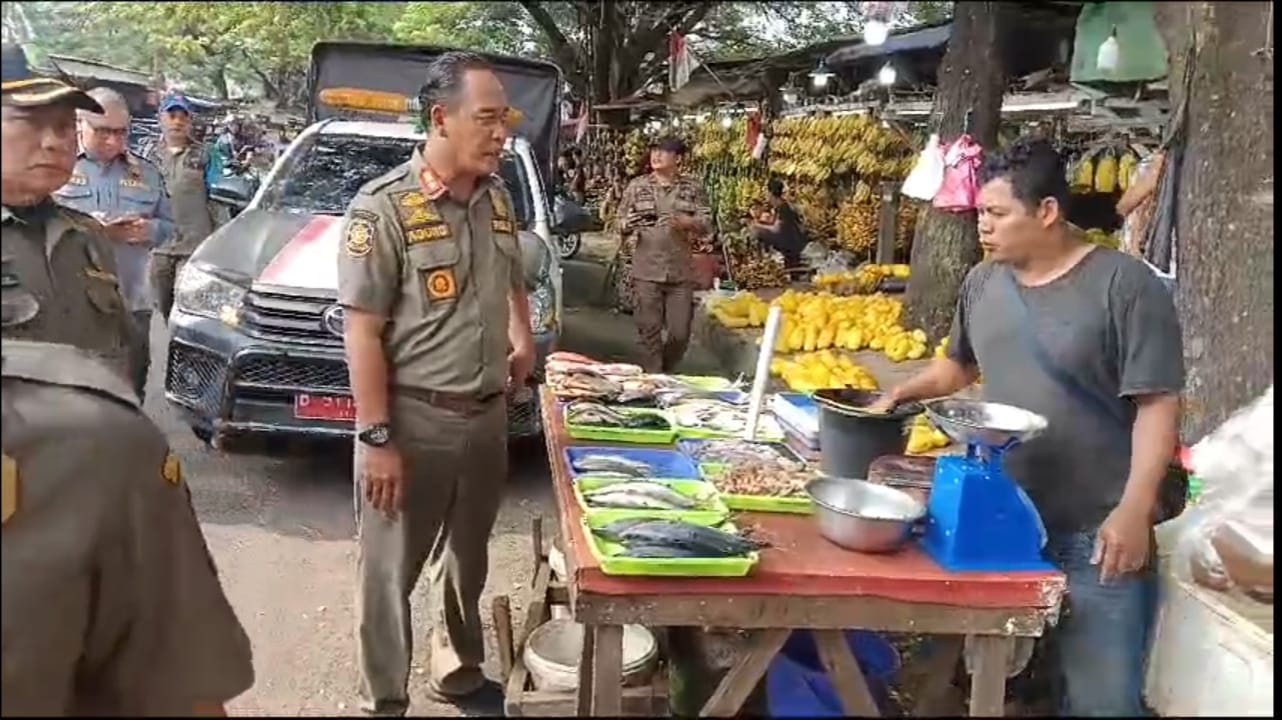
{"x": 111, "y": 603}
{"x": 61, "y": 256}
{"x": 437, "y": 328}
{"x": 665, "y": 212}
{"x": 188, "y": 170}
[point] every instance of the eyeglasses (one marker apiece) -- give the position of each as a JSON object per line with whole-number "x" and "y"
{"x": 109, "y": 131}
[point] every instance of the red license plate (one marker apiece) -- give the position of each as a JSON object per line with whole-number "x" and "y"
{"x": 324, "y": 407}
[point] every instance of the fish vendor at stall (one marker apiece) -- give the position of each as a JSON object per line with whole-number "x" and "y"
{"x": 1087, "y": 337}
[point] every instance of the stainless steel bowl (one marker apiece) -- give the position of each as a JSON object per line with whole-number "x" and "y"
{"x": 984, "y": 423}
{"x": 862, "y": 516}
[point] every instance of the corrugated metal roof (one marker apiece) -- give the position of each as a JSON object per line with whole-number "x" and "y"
{"x": 81, "y": 68}
{"x": 921, "y": 39}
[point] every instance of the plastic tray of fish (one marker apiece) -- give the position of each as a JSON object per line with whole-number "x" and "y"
{"x": 615, "y": 424}
{"x": 643, "y": 550}
{"x": 714, "y": 455}
{"x": 613, "y": 498}
{"x": 711, "y": 419}
{"x": 791, "y": 504}
{"x": 636, "y": 463}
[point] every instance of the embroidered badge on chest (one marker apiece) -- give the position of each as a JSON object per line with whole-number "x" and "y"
{"x": 78, "y": 179}
{"x": 359, "y": 238}
{"x": 132, "y": 182}
{"x": 501, "y": 226}
{"x": 440, "y": 284}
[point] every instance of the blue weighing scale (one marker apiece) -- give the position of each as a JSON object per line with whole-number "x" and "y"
{"x": 978, "y": 519}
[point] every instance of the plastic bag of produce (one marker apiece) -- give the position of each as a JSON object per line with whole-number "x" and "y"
{"x": 928, "y": 173}
{"x": 1226, "y": 541}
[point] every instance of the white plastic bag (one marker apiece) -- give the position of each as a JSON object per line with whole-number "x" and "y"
{"x": 928, "y": 173}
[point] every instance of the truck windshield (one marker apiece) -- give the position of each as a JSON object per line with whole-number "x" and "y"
{"x": 325, "y": 172}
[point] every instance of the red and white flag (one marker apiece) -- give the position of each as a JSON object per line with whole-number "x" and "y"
{"x": 681, "y": 61}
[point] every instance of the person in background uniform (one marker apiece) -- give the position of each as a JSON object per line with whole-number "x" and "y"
{"x": 667, "y": 213}
{"x": 188, "y": 170}
{"x": 436, "y": 330}
{"x": 60, "y": 255}
{"x": 782, "y": 231}
{"x": 111, "y": 602}
{"x": 1108, "y": 378}
{"x": 126, "y": 193}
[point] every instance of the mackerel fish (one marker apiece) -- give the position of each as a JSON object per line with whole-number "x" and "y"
{"x": 655, "y": 492}
{"x": 681, "y": 537}
{"x": 616, "y": 464}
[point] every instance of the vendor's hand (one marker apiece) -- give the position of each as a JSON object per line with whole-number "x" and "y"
{"x": 884, "y": 404}
{"x": 520, "y": 364}
{"x": 132, "y": 230}
{"x": 382, "y": 477}
{"x": 1122, "y": 543}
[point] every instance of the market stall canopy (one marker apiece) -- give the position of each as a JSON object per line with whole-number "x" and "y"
{"x": 923, "y": 38}
{"x": 1141, "y": 53}
{"x": 533, "y": 86}
{"x": 81, "y": 70}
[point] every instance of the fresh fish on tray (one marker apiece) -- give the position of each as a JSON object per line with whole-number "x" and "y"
{"x": 659, "y": 552}
{"x": 720, "y": 416}
{"x": 612, "y": 465}
{"x": 682, "y": 538}
{"x": 641, "y": 495}
{"x": 741, "y": 452}
{"x": 596, "y": 414}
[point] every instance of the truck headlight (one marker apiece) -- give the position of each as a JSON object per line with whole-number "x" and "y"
{"x": 200, "y": 293}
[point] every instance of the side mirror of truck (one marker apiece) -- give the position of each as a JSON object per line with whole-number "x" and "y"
{"x": 569, "y": 217}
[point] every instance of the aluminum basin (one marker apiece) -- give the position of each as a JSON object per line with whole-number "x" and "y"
{"x": 863, "y": 516}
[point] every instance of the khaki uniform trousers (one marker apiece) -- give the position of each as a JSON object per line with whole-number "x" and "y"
{"x": 455, "y": 468}
{"x": 660, "y": 307}
{"x": 163, "y": 270}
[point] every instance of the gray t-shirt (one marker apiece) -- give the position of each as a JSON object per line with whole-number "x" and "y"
{"x": 1109, "y": 324}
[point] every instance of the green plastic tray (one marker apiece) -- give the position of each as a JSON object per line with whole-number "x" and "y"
{"x": 716, "y": 512}
{"x": 709, "y": 383}
{"x": 605, "y": 553}
{"x": 685, "y": 433}
{"x": 621, "y": 435}
{"x": 795, "y": 505}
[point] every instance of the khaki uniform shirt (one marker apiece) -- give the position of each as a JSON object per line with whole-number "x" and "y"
{"x": 111, "y": 602}
{"x": 440, "y": 270}
{"x": 185, "y": 173}
{"x": 61, "y": 257}
{"x": 662, "y": 253}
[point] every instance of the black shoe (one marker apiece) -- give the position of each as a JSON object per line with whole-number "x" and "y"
{"x": 485, "y": 701}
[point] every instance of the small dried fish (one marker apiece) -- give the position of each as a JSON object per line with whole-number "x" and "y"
{"x": 767, "y": 479}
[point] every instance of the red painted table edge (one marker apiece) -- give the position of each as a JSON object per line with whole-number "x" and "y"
{"x": 970, "y": 590}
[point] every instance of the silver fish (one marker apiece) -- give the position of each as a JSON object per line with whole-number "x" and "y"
{"x": 611, "y": 464}
{"x": 627, "y": 500}
{"x": 654, "y": 491}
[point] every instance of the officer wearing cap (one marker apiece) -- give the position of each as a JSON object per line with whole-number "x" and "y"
{"x": 189, "y": 171}
{"x": 111, "y": 603}
{"x": 127, "y": 193}
{"x": 59, "y": 255}
{"x": 663, "y": 214}
{"x": 436, "y": 329}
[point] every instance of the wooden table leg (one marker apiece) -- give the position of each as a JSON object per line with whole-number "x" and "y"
{"x": 738, "y": 684}
{"x": 844, "y": 674}
{"x": 587, "y": 664}
{"x": 990, "y": 661}
{"x": 607, "y": 671}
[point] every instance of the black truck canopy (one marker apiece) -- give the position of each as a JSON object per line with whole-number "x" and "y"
{"x": 533, "y": 86}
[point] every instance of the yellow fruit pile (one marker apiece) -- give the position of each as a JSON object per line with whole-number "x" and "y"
{"x": 1103, "y": 239}
{"x": 863, "y": 280}
{"x": 941, "y": 350}
{"x": 742, "y": 310}
{"x": 1103, "y": 171}
{"x": 822, "y": 370}
{"x": 856, "y": 226}
{"x": 817, "y": 148}
{"x": 924, "y": 437}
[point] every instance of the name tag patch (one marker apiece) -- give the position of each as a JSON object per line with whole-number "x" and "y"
{"x": 132, "y": 183}
{"x": 504, "y": 227}
{"x": 440, "y": 284}
{"x": 428, "y": 233}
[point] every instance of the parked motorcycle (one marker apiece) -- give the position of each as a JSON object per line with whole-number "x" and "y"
{"x": 231, "y": 193}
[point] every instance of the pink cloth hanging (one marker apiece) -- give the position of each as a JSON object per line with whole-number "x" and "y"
{"x": 960, "y": 189}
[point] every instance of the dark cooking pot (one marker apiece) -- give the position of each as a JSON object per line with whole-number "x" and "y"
{"x": 850, "y": 437}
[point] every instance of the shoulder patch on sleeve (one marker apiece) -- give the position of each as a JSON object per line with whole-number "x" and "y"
{"x": 172, "y": 470}
{"x": 9, "y": 495}
{"x": 358, "y": 240}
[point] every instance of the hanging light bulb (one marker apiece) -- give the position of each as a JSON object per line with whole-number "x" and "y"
{"x": 887, "y": 75}
{"x": 821, "y": 75}
{"x": 876, "y": 32}
{"x": 790, "y": 95}
{"x": 726, "y": 122}
{"x": 1109, "y": 53}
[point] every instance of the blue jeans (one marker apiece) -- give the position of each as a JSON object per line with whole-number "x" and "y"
{"x": 1101, "y": 643}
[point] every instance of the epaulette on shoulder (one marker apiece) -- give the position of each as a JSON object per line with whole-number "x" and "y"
{"x": 142, "y": 160}
{"x": 64, "y": 365}
{"x": 396, "y": 174}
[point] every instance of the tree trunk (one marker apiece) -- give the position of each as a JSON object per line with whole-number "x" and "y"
{"x": 1224, "y": 222}
{"x": 972, "y": 78}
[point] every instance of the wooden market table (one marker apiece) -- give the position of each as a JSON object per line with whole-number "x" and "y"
{"x": 801, "y": 582}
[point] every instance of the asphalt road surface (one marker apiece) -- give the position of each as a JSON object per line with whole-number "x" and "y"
{"x": 278, "y": 519}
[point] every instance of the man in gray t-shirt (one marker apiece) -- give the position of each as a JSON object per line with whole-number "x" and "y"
{"x": 1088, "y": 338}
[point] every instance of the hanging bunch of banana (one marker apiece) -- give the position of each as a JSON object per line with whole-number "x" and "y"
{"x": 820, "y": 148}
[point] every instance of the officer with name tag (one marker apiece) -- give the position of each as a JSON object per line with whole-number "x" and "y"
{"x": 436, "y": 331}
{"x": 125, "y": 192}
{"x": 61, "y": 256}
{"x": 111, "y": 602}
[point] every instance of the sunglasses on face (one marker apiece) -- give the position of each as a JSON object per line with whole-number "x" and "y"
{"x": 112, "y": 132}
